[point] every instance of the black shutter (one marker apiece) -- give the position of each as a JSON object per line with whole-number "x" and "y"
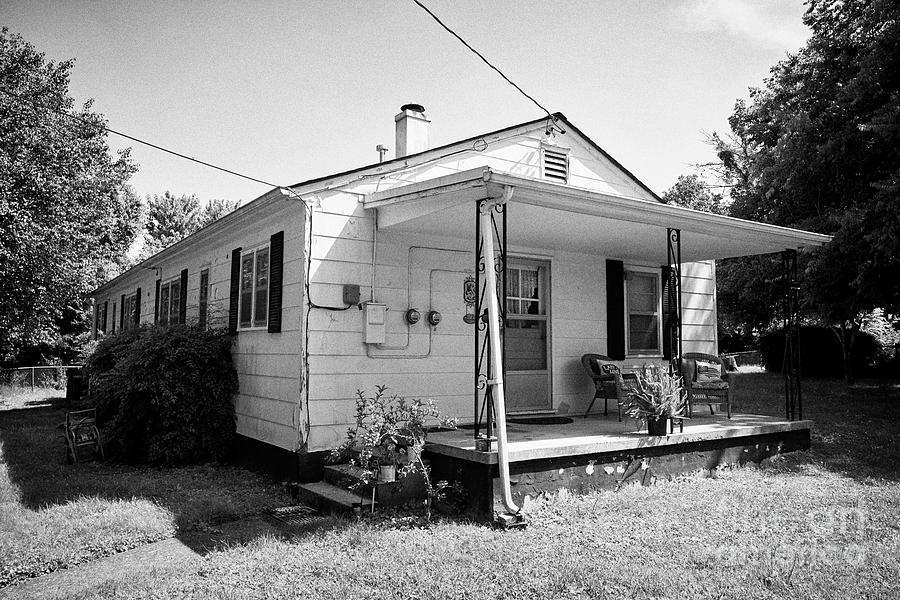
{"x": 122, "y": 313}
{"x": 276, "y": 277}
{"x": 156, "y": 304}
{"x": 105, "y": 313}
{"x": 182, "y": 299}
{"x": 137, "y": 308}
{"x": 96, "y": 319}
{"x": 615, "y": 309}
{"x": 235, "y": 289}
{"x": 667, "y": 312}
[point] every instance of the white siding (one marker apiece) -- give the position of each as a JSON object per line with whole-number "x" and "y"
{"x": 269, "y": 365}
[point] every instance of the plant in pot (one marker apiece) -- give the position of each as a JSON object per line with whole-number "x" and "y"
{"x": 656, "y": 396}
{"x": 388, "y": 437}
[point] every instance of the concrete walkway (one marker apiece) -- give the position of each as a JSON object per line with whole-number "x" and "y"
{"x": 166, "y": 556}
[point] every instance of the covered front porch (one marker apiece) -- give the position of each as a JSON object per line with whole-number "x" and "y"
{"x": 602, "y": 453}
{"x": 509, "y": 218}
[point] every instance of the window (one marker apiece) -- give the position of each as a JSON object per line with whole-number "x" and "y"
{"x": 254, "y": 293}
{"x": 526, "y": 317}
{"x": 114, "y": 318}
{"x": 101, "y": 317}
{"x": 642, "y": 306}
{"x": 204, "y": 297}
{"x": 169, "y": 302}
{"x": 128, "y": 311}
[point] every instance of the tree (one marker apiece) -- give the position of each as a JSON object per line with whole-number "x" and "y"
{"x": 818, "y": 147}
{"x": 66, "y": 214}
{"x": 692, "y": 192}
{"x": 170, "y": 218}
{"x": 217, "y": 208}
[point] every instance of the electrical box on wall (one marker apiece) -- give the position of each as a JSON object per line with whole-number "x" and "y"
{"x": 351, "y": 294}
{"x": 374, "y": 328}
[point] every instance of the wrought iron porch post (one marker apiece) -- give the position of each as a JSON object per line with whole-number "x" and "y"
{"x": 494, "y": 226}
{"x": 674, "y": 333}
{"x": 793, "y": 395}
{"x": 479, "y": 324}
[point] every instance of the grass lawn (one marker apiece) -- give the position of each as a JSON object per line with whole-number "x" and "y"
{"x": 820, "y": 524}
{"x": 54, "y": 515}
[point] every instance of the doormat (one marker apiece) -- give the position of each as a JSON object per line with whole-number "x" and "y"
{"x": 529, "y": 421}
{"x": 540, "y": 420}
{"x": 293, "y": 516}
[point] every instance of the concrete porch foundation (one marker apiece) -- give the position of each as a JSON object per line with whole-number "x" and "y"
{"x": 603, "y": 453}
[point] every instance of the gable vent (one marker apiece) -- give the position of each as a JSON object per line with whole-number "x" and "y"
{"x": 555, "y": 163}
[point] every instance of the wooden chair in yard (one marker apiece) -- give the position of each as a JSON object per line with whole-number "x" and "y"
{"x": 609, "y": 382}
{"x": 705, "y": 381}
{"x": 80, "y": 431}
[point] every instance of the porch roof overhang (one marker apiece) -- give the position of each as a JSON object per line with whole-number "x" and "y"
{"x": 545, "y": 215}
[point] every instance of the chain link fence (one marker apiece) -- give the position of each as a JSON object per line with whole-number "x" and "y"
{"x": 52, "y": 376}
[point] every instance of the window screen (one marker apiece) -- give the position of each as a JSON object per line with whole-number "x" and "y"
{"x": 642, "y": 298}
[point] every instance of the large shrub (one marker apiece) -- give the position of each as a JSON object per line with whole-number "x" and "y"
{"x": 100, "y": 367}
{"x": 164, "y": 394}
{"x": 820, "y": 352}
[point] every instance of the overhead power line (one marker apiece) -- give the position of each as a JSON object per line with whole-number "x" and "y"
{"x": 24, "y": 99}
{"x": 486, "y": 61}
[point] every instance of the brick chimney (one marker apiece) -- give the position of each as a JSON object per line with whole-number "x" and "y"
{"x": 412, "y": 130}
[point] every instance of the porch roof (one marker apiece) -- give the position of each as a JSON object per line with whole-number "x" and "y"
{"x": 545, "y": 215}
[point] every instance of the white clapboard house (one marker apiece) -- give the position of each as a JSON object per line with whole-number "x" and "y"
{"x": 376, "y": 276}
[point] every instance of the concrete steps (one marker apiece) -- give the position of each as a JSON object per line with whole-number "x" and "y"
{"x": 328, "y": 497}
{"x": 335, "y": 493}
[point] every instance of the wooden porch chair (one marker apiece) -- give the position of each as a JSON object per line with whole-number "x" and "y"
{"x": 609, "y": 383}
{"x": 703, "y": 384}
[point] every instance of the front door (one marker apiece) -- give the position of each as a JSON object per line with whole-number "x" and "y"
{"x": 527, "y": 339}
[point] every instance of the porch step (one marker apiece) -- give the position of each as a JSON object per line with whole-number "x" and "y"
{"x": 331, "y": 498}
{"x": 343, "y": 476}
{"x": 405, "y": 489}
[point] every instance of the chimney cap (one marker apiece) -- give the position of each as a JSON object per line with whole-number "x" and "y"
{"x": 413, "y": 107}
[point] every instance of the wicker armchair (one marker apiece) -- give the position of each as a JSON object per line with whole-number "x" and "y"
{"x": 609, "y": 382}
{"x": 704, "y": 387}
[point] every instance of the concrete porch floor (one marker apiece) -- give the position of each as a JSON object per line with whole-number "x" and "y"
{"x": 600, "y": 435}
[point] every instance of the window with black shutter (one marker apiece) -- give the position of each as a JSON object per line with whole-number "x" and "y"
{"x": 203, "y": 298}
{"x": 234, "y": 290}
{"x": 276, "y": 277}
{"x": 615, "y": 309}
{"x": 182, "y": 299}
{"x": 156, "y": 303}
{"x": 137, "y": 307}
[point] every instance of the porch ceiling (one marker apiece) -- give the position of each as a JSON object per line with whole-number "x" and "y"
{"x": 544, "y": 215}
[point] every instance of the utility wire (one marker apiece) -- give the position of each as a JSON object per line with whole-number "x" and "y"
{"x": 486, "y": 61}
{"x": 24, "y": 99}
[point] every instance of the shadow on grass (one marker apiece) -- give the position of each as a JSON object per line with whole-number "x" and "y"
{"x": 855, "y": 427}
{"x": 197, "y": 496}
{"x": 240, "y": 533}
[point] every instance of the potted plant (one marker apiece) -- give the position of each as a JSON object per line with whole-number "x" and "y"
{"x": 388, "y": 437}
{"x": 656, "y": 396}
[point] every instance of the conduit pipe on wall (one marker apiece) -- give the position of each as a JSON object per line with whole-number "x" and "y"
{"x": 409, "y": 270}
{"x": 496, "y": 375}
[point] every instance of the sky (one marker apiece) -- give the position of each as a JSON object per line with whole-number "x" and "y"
{"x": 290, "y": 91}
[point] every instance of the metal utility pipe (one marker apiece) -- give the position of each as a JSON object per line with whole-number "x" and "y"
{"x": 496, "y": 375}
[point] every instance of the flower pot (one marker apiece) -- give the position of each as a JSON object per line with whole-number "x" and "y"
{"x": 388, "y": 473}
{"x": 657, "y": 425}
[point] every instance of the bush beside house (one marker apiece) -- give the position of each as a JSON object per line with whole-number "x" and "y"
{"x": 164, "y": 394}
{"x": 820, "y": 352}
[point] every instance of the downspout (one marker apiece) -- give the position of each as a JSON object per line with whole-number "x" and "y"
{"x": 496, "y": 375}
